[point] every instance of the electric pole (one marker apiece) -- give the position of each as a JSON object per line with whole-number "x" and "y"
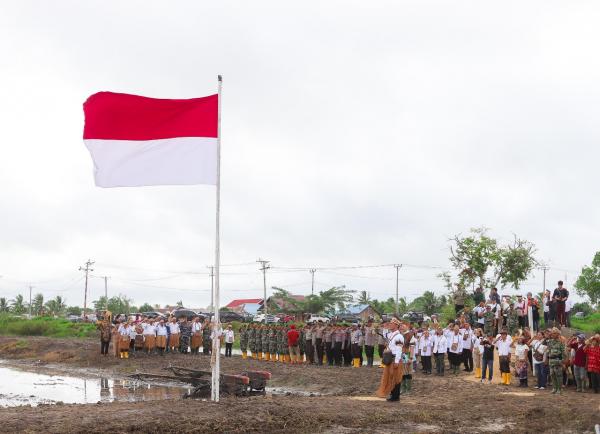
{"x": 106, "y": 292}
{"x": 544, "y": 269}
{"x": 30, "y": 306}
{"x": 397, "y": 266}
{"x": 264, "y": 269}
{"x": 87, "y": 269}
{"x": 312, "y": 287}
{"x": 212, "y": 288}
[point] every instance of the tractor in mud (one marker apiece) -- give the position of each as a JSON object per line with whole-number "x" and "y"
{"x": 247, "y": 383}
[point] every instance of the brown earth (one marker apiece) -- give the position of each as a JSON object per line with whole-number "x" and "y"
{"x": 448, "y": 404}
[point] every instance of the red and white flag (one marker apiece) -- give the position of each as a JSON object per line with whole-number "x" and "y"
{"x": 135, "y": 140}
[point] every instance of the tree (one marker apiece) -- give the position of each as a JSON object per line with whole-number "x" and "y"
{"x": 56, "y": 306}
{"x": 480, "y": 258}
{"x": 146, "y": 307}
{"x": 428, "y": 303}
{"x": 117, "y": 304}
{"x": 179, "y": 303}
{"x": 18, "y": 305}
{"x": 37, "y": 304}
{"x": 363, "y": 298}
{"x": 588, "y": 282}
{"x": 586, "y": 308}
{"x": 74, "y": 310}
{"x": 3, "y": 305}
{"x": 336, "y": 298}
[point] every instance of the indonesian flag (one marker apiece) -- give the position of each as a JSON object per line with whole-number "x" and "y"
{"x": 135, "y": 140}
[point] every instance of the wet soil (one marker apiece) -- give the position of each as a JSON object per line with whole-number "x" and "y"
{"x": 344, "y": 401}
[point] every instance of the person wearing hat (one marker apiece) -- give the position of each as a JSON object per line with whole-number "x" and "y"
{"x": 161, "y": 336}
{"x": 392, "y": 373}
{"x": 229, "y": 338}
{"x": 503, "y": 344}
{"x": 355, "y": 337}
{"x": 556, "y": 354}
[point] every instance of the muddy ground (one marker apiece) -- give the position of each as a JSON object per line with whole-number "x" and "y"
{"x": 343, "y": 403}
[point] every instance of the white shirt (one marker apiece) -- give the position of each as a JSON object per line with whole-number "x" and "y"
{"x": 545, "y": 300}
{"x": 467, "y": 344}
{"x": 124, "y": 331}
{"x": 520, "y": 351}
{"x": 568, "y": 305}
{"x": 455, "y": 340}
{"x": 196, "y": 327}
{"x": 174, "y": 327}
{"x": 425, "y": 345}
{"x": 149, "y": 330}
{"x": 503, "y": 346}
{"x": 478, "y": 310}
{"x": 132, "y": 333}
{"x": 161, "y": 330}
{"x": 228, "y": 336}
{"x": 440, "y": 344}
{"x": 395, "y": 344}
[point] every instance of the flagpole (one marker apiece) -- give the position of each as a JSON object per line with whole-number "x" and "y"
{"x": 216, "y": 335}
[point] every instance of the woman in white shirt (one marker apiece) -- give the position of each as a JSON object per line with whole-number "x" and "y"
{"x": 440, "y": 347}
{"x": 540, "y": 370}
{"x": 455, "y": 349}
{"x": 477, "y": 352}
{"x": 228, "y": 334}
{"x": 174, "y": 337}
{"x": 392, "y": 373}
{"x": 504, "y": 344}
{"x": 161, "y": 337}
{"x": 149, "y": 336}
{"x": 522, "y": 361}
{"x": 425, "y": 348}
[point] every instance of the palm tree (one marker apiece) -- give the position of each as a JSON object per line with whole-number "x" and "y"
{"x": 56, "y": 306}
{"x": 18, "y": 305}
{"x": 3, "y": 305}
{"x": 363, "y": 298}
{"x": 38, "y": 304}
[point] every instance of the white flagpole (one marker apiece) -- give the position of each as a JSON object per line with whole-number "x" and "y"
{"x": 216, "y": 334}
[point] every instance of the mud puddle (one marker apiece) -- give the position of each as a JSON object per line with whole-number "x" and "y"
{"x": 19, "y": 388}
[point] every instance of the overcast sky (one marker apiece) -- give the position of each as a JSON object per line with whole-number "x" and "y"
{"x": 354, "y": 133}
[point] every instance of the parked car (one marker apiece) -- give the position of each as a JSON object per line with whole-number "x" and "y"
{"x": 285, "y": 317}
{"x": 230, "y": 317}
{"x": 347, "y": 317}
{"x": 316, "y": 318}
{"x": 74, "y": 318}
{"x": 579, "y": 315}
{"x": 180, "y": 313}
{"x": 417, "y": 317}
{"x": 270, "y": 319}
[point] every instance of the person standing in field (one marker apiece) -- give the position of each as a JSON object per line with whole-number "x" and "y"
{"x": 149, "y": 336}
{"x": 467, "y": 347}
{"x": 161, "y": 337}
{"x": 293, "y": 337}
{"x": 440, "y": 347}
{"x": 196, "y": 340}
{"x": 105, "y": 327}
{"x": 560, "y": 297}
{"x": 504, "y": 344}
{"x": 392, "y": 373}
{"x": 229, "y": 338}
{"x": 477, "y": 352}
{"x": 592, "y": 350}
{"x": 556, "y": 354}
{"x": 540, "y": 360}
{"x": 579, "y": 361}
{"x": 522, "y": 361}
{"x": 487, "y": 360}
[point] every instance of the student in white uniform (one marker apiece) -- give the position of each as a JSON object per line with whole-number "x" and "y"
{"x": 440, "y": 347}
{"x": 161, "y": 337}
{"x": 455, "y": 349}
{"x": 229, "y": 337}
{"x": 467, "y": 347}
{"x": 425, "y": 348}
{"x": 504, "y": 344}
{"x": 149, "y": 336}
{"x": 392, "y": 373}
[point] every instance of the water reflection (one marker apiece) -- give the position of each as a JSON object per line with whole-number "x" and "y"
{"x": 23, "y": 388}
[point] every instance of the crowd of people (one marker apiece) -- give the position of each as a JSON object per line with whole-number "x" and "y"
{"x": 495, "y": 329}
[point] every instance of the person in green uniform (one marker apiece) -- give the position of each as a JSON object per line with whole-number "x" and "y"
{"x": 556, "y": 354}
{"x": 244, "y": 341}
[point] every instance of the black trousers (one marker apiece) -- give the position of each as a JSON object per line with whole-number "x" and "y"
{"x": 329, "y": 353}
{"x": 356, "y": 351}
{"x": 347, "y": 354}
{"x": 337, "y": 353}
{"x": 319, "y": 347}
{"x": 395, "y": 394}
{"x": 369, "y": 352}
{"x": 426, "y": 360}
{"x": 104, "y": 347}
{"x": 310, "y": 352}
{"x": 595, "y": 383}
{"x": 467, "y": 359}
{"x": 380, "y": 350}
{"x": 458, "y": 307}
{"x": 228, "y": 347}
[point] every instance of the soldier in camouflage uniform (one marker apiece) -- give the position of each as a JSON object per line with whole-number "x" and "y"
{"x": 488, "y": 321}
{"x": 251, "y": 340}
{"x": 273, "y": 332}
{"x": 258, "y": 341}
{"x": 512, "y": 321}
{"x": 244, "y": 341}
{"x": 206, "y": 338}
{"x": 265, "y": 342}
{"x": 284, "y": 351}
{"x": 279, "y": 337}
{"x": 556, "y": 354}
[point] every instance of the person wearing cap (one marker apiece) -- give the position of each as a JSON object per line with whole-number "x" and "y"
{"x": 579, "y": 360}
{"x": 161, "y": 336}
{"x": 355, "y": 337}
{"x": 503, "y": 344}
{"x": 392, "y": 373}
{"x": 556, "y": 354}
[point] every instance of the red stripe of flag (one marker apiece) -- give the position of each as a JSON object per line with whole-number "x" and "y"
{"x": 120, "y": 116}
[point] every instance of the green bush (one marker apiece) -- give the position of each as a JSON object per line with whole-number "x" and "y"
{"x": 45, "y": 326}
{"x": 589, "y": 324}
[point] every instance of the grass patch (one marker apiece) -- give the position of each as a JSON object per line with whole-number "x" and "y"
{"x": 45, "y": 326}
{"x": 589, "y": 324}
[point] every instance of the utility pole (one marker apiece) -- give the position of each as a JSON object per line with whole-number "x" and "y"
{"x": 106, "y": 292}
{"x": 30, "y": 306}
{"x": 397, "y": 266}
{"x": 212, "y": 288}
{"x": 544, "y": 269}
{"x": 312, "y": 287}
{"x": 87, "y": 269}
{"x": 264, "y": 269}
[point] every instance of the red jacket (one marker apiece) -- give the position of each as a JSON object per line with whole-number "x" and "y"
{"x": 293, "y": 336}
